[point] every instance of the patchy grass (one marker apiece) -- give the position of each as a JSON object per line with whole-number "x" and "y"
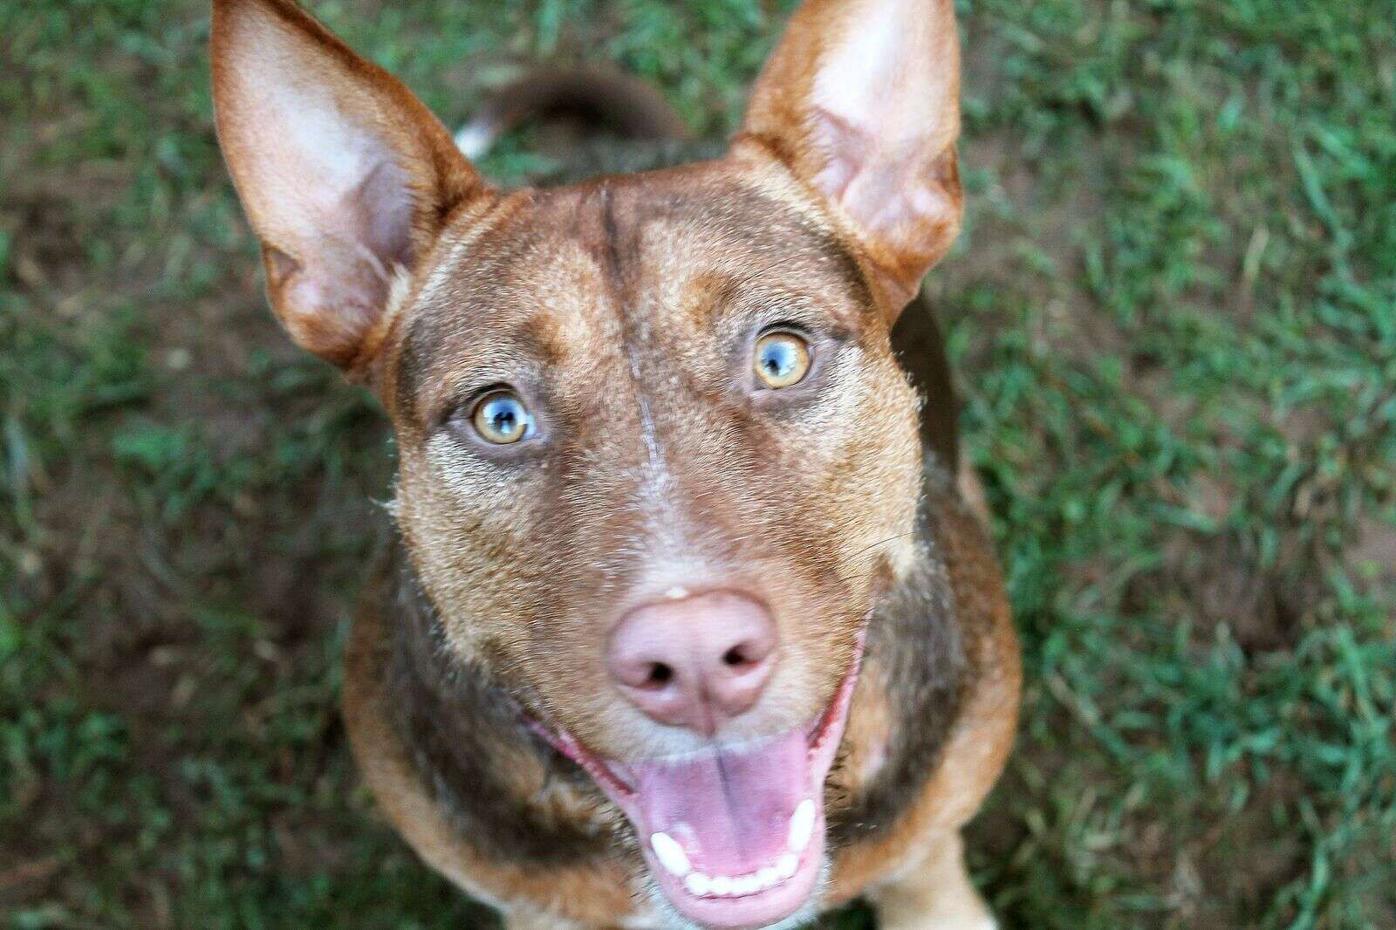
{"x": 1173, "y": 310}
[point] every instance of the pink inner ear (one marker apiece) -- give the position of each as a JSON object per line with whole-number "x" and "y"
{"x": 332, "y": 299}
{"x": 321, "y": 172}
{"x": 383, "y": 204}
{"x": 883, "y": 106}
{"x": 334, "y": 290}
{"x": 893, "y": 189}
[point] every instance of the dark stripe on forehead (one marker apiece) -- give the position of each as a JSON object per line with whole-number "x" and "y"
{"x": 609, "y": 247}
{"x": 635, "y": 332}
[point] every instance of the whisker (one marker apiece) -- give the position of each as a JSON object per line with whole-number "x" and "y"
{"x": 883, "y": 542}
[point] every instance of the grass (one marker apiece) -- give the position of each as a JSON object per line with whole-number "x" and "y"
{"x": 1174, "y": 316}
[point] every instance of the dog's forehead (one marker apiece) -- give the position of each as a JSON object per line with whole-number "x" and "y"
{"x": 585, "y": 277}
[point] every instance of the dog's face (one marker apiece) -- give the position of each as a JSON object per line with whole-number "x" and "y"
{"x": 657, "y": 462}
{"x": 626, "y": 323}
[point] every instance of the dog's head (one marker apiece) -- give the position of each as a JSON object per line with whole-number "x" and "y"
{"x": 657, "y": 462}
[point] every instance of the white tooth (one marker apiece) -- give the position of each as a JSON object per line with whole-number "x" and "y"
{"x": 744, "y": 885}
{"x": 670, "y": 854}
{"x": 722, "y": 886}
{"x": 801, "y": 826}
{"x": 769, "y": 877}
{"x": 698, "y": 884}
{"x": 787, "y": 865}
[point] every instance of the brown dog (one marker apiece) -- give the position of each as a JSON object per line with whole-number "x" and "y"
{"x": 690, "y": 625}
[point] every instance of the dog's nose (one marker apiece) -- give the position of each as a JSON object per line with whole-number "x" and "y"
{"x": 695, "y": 661}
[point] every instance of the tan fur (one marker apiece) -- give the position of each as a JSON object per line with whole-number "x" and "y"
{"x": 972, "y": 491}
{"x": 590, "y": 896}
{"x": 935, "y": 893}
{"x": 983, "y": 734}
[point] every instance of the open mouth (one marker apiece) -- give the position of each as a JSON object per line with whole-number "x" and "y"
{"x": 733, "y": 835}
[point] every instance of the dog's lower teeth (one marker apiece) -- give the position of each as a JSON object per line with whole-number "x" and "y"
{"x": 670, "y": 854}
{"x": 674, "y": 860}
{"x": 702, "y": 885}
{"x": 698, "y": 884}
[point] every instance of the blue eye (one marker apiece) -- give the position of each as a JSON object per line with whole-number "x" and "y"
{"x": 782, "y": 359}
{"x": 501, "y": 418}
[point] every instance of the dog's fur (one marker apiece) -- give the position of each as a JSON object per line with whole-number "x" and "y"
{"x": 619, "y": 308}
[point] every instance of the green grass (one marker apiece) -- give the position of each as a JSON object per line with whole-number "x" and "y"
{"x": 1174, "y": 317}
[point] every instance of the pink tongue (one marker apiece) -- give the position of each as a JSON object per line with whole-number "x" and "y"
{"x": 730, "y": 810}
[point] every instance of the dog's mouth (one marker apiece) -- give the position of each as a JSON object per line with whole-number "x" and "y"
{"x": 733, "y": 836}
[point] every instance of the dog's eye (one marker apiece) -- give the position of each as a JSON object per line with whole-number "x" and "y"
{"x": 501, "y": 418}
{"x": 782, "y": 359}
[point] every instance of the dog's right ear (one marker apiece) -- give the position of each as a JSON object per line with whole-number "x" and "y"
{"x": 345, "y": 175}
{"x": 860, "y": 100}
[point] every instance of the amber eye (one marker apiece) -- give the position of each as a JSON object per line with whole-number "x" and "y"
{"x": 501, "y": 418}
{"x": 782, "y": 359}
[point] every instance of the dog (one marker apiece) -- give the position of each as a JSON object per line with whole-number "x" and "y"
{"x": 691, "y": 622}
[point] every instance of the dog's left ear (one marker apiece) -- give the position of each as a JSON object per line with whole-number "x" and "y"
{"x": 345, "y": 176}
{"x": 861, "y": 101}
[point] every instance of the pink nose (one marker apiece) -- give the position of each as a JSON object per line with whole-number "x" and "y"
{"x": 696, "y": 662}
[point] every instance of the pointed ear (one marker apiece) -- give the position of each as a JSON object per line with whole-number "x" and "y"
{"x": 861, "y": 101}
{"x": 345, "y": 176}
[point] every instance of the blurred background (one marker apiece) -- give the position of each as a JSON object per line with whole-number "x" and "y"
{"x": 1173, "y": 313}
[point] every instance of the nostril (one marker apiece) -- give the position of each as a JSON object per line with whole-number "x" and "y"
{"x": 659, "y": 675}
{"x": 737, "y": 657}
{"x": 694, "y": 662}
